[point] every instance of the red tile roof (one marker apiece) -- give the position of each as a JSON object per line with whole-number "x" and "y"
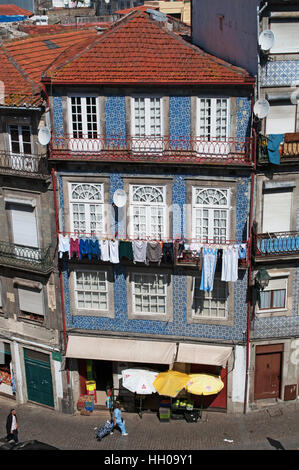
{"x": 36, "y": 53}
{"x": 11, "y": 9}
{"x": 24, "y": 60}
{"x": 138, "y": 49}
{"x": 18, "y": 89}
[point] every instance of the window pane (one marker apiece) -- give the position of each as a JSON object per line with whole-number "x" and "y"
{"x": 91, "y": 290}
{"x": 279, "y": 298}
{"x": 265, "y": 299}
{"x": 149, "y": 292}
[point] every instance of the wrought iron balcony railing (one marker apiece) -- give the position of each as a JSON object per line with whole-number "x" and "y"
{"x": 25, "y": 165}
{"x": 276, "y": 244}
{"x": 164, "y": 149}
{"x": 37, "y": 259}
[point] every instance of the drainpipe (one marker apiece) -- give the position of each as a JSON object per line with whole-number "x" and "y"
{"x": 61, "y": 281}
{"x": 250, "y": 271}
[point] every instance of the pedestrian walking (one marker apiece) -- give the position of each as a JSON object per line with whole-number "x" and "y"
{"x": 118, "y": 421}
{"x": 12, "y": 426}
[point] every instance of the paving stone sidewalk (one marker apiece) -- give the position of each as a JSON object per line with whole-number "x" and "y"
{"x": 216, "y": 431}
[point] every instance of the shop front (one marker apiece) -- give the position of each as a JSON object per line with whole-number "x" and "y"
{"x": 205, "y": 359}
{"x": 7, "y": 380}
{"x": 103, "y": 361}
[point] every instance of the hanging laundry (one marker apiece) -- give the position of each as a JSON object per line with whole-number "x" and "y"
{"x": 273, "y": 145}
{"x": 242, "y": 252}
{"x": 63, "y": 245}
{"x": 104, "y": 247}
{"x": 84, "y": 246}
{"x": 209, "y": 259}
{"x": 196, "y": 247}
{"x": 167, "y": 252}
{"x": 230, "y": 257}
{"x": 94, "y": 249}
{"x": 139, "y": 251}
{"x": 181, "y": 248}
{"x": 125, "y": 250}
{"x": 113, "y": 250}
{"x": 153, "y": 252}
{"x": 74, "y": 247}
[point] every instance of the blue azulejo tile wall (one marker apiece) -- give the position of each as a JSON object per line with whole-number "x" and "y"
{"x": 179, "y": 121}
{"x": 115, "y": 115}
{"x": 243, "y": 118}
{"x": 280, "y": 72}
{"x": 58, "y": 116}
{"x": 178, "y": 326}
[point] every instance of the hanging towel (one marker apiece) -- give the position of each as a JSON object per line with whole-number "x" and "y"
{"x": 153, "y": 252}
{"x": 74, "y": 248}
{"x": 94, "y": 249}
{"x": 84, "y": 246}
{"x": 139, "y": 251}
{"x": 209, "y": 258}
{"x": 113, "y": 250}
{"x": 229, "y": 272}
{"x": 63, "y": 245}
{"x": 274, "y": 141}
{"x": 125, "y": 250}
{"x": 104, "y": 247}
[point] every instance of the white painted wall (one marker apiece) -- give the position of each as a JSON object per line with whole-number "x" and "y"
{"x": 234, "y": 38}
{"x": 58, "y": 379}
{"x": 239, "y": 372}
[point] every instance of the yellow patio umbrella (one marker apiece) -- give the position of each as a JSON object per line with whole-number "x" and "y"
{"x": 204, "y": 384}
{"x": 170, "y": 383}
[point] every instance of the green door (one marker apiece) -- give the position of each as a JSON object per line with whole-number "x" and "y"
{"x": 38, "y": 377}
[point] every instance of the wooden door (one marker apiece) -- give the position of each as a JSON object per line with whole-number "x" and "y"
{"x": 267, "y": 373}
{"x": 38, "y": 377}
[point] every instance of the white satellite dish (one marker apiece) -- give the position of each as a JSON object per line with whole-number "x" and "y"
{"x": 261, "y": 108}
{"x": 266, "y": 40}
{"x": 44, "y": 135}
{"x": 119, "y": 198}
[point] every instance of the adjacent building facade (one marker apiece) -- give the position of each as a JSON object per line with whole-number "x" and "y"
{"x": 31, "y": 339}
{"x": 274, "y": 331}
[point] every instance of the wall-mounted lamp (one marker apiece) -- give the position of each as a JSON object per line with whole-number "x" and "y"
{"x": 262, "y": 279}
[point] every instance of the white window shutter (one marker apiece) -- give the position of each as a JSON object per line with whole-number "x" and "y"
{"x": 24, "y": 225}
{"x": 31, "y": 300}
{"x": 277, "y": 211}
{"x": 286, "y": 37}
{"x": 281, "y": 119}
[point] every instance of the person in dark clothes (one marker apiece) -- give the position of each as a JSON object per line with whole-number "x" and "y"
{"x": 12, "y": 426}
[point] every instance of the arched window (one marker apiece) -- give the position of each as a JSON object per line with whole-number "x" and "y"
{"x": 87, "y": 208}
{"x": 147, "y": 211}
{"x": 210, "y": 214}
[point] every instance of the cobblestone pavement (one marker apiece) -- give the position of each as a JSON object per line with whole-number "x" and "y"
{"x": 216, "y": 431}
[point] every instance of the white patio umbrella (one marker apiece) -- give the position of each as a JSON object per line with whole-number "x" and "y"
{"x": 139, "y": 381}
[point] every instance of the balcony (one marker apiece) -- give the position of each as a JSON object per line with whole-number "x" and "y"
{"x": 276, "y": 245}
{"x": 23, "y": 165}
{"x": 24, "y": 257}
{"x": 150, "y": 149}
{"x": 289, "y": 150}
{"x": 186, "y": 255}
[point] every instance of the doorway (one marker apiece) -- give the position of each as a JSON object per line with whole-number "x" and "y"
{"x": 38, "y": 377}
{"x": 268, "y": 365}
